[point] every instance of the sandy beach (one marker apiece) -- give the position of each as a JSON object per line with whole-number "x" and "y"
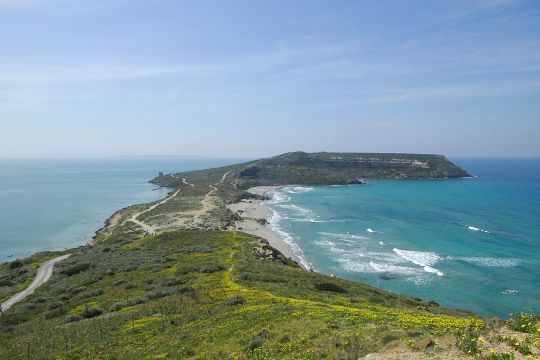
{"x": 250, "y": 211}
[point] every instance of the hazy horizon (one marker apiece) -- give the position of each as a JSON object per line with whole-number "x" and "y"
{"x": 244, "y": 158}
{"x": 238, "y": 79}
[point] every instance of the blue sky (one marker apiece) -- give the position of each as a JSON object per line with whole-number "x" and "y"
{"x": 107, "y": 78}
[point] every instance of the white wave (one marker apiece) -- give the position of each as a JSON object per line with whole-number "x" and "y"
{"x": 488, "y": 261}
{"x": 385, "y": 257}
{"x": 309, "y": 220}
{"x": 342, "y": 235}
{"x": 273, "y": 224}
{"x": 430, "y": 269}
{"x": 355, "y": 266}
{"x": 298, "y": 189}
{"x": 301, "y": 214}
{"x": 325, "y": 243}
{"x": 510, "y": 292}
{"x": 381, "y": 243}
{"x": 337, "y": 250}
{"x": 295, "y": 208}
{"x": 387, "y": 268}
{"x": 474, "y": 228}
{"x": 277, "y": 198}
{"x": 370, "y": 230}
{"x": 421, "y": 258}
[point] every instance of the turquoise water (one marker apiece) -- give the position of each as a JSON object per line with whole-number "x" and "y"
{"x": 472, "y": 244}
{"x": 54, "y": 204}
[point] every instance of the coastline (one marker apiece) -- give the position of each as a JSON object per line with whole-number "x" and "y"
{"x": 255, "y": 220}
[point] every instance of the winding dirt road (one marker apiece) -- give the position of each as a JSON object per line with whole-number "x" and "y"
{"x": 149, "y": 229}
{"x": 44, "y": 273}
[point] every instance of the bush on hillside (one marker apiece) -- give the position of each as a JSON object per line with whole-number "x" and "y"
{"x": 330, "y": 287}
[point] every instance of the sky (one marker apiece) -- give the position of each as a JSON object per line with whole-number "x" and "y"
{"x": 115, "y": 78}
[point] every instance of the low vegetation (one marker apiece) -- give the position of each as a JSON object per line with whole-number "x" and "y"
{"x": 208, "y": 294}
{"x": 323, "y": 169}
{"x": 203, "y": 295}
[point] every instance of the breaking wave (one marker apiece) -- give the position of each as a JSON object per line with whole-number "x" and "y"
{"x": 474, "y": 228}
{"x": 421, "y": 258}
{"x": 298, "y": 189}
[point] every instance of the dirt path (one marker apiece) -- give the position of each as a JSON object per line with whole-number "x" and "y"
{"x": 187, "y": 183}
{"x": 149, "y": 229}
{"x": 44, "y": 273}
{"x": 207, "y": 203}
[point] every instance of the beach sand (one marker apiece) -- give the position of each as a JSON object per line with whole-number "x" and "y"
{"x": 250, "y": 211}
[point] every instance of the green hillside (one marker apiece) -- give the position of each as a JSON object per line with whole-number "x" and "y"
{"x": 209, "y": 295}
{"x": 325, "y": 169}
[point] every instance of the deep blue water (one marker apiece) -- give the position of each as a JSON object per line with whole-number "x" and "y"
{"x": 55, "y": 204}
{"x": 466, "y": 243}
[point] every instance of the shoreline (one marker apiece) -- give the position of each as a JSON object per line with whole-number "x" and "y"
{"x": 256, "y": 219}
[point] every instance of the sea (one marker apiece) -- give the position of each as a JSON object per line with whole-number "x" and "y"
{"x": 471, "y": 244}
{"x": 58, "y": 204}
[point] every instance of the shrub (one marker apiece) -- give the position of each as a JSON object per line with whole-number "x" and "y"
{"x": 4, "y": 282}
{"x": 54, "y": 305}
{"x": 186, "y": 289}
{"x": 175, "y": 281}
{"x": 158, "y": 294}
{"x": 237, "y": 300}
{"x": 250, "y": 173}
{"x": 30, "y": 305}
{"x": 54, "y": 313}
{"x": 208, "y": 269}
{"x": 91, "y": 312}
{"x": 527, "y": 323}
{"x": 131, "y": 302}
{"x": 7, "y": 328}
{"x": 130, "y": 286}
{"x": 330, "y": 287}
{"x": 197, "y": 248}
{"x": 467, "y": 341}
{"x": 258, "y": 340}
{"x": 72, "y": 318}
{"x": 75, "y": 269}
{"x": 16, "y": 264}
{"x": 505, "y": 356}
{"x": 96, "y": 292}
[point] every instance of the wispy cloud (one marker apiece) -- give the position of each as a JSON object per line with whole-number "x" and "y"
{"x": 32, "y": 74}
{"x": 420, "y": 94}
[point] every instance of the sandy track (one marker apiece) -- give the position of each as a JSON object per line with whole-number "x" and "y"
{"x": 149, "y": 229}
{"x": 44, "y": 273}
{"x": 207, "y": 203}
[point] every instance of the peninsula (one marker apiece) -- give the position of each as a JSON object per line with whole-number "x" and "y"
{"x": 195, "y": 276}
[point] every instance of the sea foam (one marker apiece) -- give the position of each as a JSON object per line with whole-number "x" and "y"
{"x": 343, "y": 236}
{"x": 298, "y": 189}
{"x": 421, "y": 258}
{"x": 474, "y": 228}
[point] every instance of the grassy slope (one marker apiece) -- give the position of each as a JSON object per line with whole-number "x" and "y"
{"x": 181, "y": 284}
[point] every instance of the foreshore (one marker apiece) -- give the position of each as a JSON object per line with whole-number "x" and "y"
{"x": 254, "y": 221}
